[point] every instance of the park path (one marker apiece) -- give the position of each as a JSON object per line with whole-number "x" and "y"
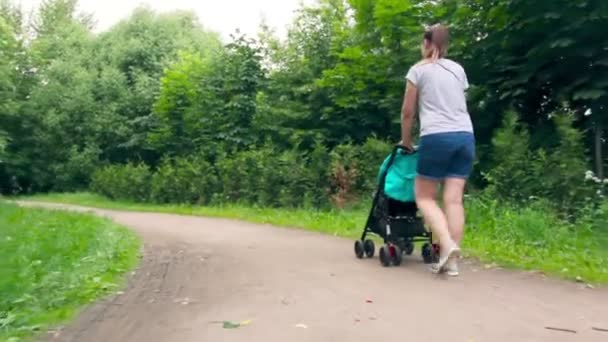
{"x": 294, "y": 285}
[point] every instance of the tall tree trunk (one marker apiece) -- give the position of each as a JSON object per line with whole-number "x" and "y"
{"x": 599, "y": 155}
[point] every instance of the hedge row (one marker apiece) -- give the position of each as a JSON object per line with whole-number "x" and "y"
{"x": 264, "y": 177}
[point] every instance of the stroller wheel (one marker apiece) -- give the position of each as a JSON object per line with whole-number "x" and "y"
{"x": 429, "y": 253}
{"x": 409, "y": 248}
{"x": 369, "y": 248}
{"x": 359, "y": 251}
{"x": 385, "y": 257}
{"x": 396, "y": 255}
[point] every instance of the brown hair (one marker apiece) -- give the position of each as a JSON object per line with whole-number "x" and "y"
{"x": 436, "y": 38}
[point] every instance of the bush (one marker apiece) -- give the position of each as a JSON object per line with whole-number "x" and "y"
{"x": 265, "y": 177}
{"x": 558, "y": 174}
{"x": 189, "y": 180}
{"x": 318, "y": 175}
{"x": 75, "y": 173}
{"x": 513, "y": 174}
{"x": 344, "y": 174}
{"x": 238, "y": 174}
{"x": 129, "y": 182}
{"x": 371, "y": 155}
{"x": 293, "y": 180}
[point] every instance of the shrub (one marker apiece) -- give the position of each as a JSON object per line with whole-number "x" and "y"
{"x": 264, "y": 177}
{"x": 293, "y": 179}
{"x": 370, "y": 156}
{"x": 557, "y": 174}
{"x": 568, "y": 164}
{"x": 343, "y": 172}
{"x": 238, "y": 174}
{"x": 76, "y": 172}
{"x": 317, "y": 169}
{"x": 125, "y": 182}
{"x": 513, "y": 174}
{"x": 184, "y": 180}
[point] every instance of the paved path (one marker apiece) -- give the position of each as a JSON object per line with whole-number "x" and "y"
{"x": 198, "y": 270}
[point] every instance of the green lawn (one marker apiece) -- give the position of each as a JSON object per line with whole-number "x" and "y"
{"x": 53, "y": 262}
{"x": 530, "y": 238}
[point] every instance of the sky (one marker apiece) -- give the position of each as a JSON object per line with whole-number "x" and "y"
{"x": 223, "y": 16}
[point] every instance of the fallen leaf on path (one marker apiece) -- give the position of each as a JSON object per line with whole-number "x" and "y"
{"x": 369, "y": 301}
{"x": 372, "y": 318}
{"x": 589, "y": 286}
{"x": 230, "y": 325}
{"x": 302, "y": 326}
{"x": 599, "y": 329}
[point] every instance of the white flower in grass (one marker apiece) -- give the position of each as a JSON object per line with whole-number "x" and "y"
{"x": 589, "y": 175}
{"x": 605, "y": 180}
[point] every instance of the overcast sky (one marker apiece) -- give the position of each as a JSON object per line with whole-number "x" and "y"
{"x": 223, "y": 16}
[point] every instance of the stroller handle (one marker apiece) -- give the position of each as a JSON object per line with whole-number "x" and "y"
{"x": 402, "y": 148}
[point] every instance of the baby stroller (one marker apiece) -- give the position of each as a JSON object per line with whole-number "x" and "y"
{"x": 394, "y": 214}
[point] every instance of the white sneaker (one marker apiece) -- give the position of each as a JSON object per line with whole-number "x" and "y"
{"x": 451, "y": 268}
{"x": 442, "y": 265}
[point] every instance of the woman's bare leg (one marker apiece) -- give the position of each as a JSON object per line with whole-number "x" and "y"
{"x": 426, "y": 193}
{"x": 453, "y": 192}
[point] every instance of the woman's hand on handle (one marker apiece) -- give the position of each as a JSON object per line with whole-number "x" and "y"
{"x": 407, "y": 145}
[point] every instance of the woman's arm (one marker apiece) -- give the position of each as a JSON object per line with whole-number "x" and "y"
{"x": 407, "y": 114}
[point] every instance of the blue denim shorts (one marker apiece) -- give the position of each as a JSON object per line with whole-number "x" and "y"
{"x": 446, "y": 155}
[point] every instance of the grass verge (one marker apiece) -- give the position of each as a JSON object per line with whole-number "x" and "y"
{"x": 53, "y": 262}
{"x": 531, "y": 238}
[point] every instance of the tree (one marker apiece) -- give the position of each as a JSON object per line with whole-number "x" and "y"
{"x": 536, "y": 56}
{"x": 131, "y": 59}
{"x": 293, "y": 105}
{"x": 209, "y": 102}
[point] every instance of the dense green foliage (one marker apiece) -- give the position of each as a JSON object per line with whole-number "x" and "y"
{"x": 159, "y": 109}
{"x": 53, "y": 262}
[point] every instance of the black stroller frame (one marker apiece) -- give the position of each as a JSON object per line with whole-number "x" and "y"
{"x": 397, "y": 223}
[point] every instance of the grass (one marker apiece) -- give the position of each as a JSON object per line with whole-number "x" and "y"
{"x": 531, "y": 238}
{"x": 54, "y": 262}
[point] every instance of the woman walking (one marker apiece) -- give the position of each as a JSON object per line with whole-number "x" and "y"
{"x": 436, "y": 88}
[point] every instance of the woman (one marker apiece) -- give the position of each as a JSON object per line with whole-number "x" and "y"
{"x": 436, "y": 87}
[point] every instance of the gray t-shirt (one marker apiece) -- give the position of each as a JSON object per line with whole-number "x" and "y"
{"x": 442, "y": 104}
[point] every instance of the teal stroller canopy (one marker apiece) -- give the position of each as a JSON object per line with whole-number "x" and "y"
{"x": 400, "y": 176}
